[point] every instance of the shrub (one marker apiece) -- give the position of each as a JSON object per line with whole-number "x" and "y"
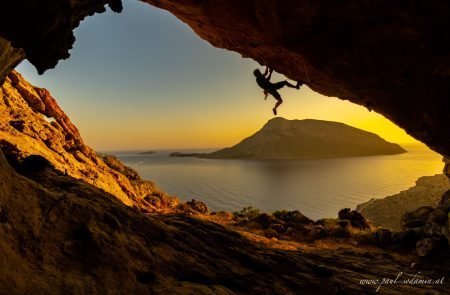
{"x": 247, "y": 212}
{"x": 292, "y": 217}
{"x": 328, "y": 222}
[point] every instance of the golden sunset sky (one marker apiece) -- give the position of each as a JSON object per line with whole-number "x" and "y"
{"x": 143, "y": 80}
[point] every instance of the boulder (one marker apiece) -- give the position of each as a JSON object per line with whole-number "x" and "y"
{"x": 265, "y": 220}
{"x": 406, "y": 239}
{"x": 431, "y": 246}
{"x": 153, "y": 200}
{"x": 318, "y": 232}
{"x": 417, "y": 218}
{"x": 344, "y": 223}
{"x": 115, "y": 164}
{"x": 278, "y": 227}
{"x": 356, "y": 219}
{"x": 439, "y": 216}
{"x": 383, "y": 237}
{"x": 292, "y": 217}
{"x": 430, "y": 223}
{"x": 194, "y": 206}
{"x": 445, "y": 201}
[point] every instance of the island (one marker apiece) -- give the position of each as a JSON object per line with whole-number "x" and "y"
{"x": 147, "y": 153}
{"x": 185, "y": 155}
{"x": 282, "y": 139}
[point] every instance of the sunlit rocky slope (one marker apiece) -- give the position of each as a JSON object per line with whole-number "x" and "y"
{"x": 32, "y": 123}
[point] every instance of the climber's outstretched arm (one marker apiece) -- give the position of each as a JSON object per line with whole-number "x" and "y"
{"x": 270, "y": 74}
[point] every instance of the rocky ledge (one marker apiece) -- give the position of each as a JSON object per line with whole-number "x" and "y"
{"x": 59, "y": 235}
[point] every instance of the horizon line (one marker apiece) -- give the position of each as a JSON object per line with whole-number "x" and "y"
{"x": 210, "y": 148}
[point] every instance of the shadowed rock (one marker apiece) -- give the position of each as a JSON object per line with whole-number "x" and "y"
{"x": 68, "y": 236}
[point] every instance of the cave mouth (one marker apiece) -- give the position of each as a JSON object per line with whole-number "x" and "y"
{"x": 85, "y": 215}
{"x": 100, "y": 77}
{"x": 305, "y": 42}
{"x": 100, "y": 74}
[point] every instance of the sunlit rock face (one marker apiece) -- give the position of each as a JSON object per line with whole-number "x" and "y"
{"x": 32, "y": 123}
{"x": 389, "y": 56}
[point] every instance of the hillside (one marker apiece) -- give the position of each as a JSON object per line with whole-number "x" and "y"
{"x": 298, "y": 139}
{"x": 387, "y": 212}
{"x": 32, "y": 123}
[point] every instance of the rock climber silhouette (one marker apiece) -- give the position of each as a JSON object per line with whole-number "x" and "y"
{"x": 263, "y": 80}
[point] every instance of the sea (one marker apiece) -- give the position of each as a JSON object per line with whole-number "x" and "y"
{"x": 318, "y": 188}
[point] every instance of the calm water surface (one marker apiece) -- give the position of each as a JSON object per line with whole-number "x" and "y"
{"x": 318, "y": 188}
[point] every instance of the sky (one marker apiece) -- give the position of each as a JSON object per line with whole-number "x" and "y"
{"x": 142, "y": 80}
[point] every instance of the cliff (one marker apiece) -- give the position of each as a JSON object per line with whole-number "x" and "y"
{"x": 388, "y": 212}
{"x": 298, "y": 139}
{"x": 32, "y": 123}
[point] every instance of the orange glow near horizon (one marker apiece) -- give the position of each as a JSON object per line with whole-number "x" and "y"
{"x": 175, "y": 91}
{"x": 224, "y": 124}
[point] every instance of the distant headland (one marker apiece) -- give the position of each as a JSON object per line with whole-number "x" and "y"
{"x": 282, "y": 139}
{"x": 147, "y": 153}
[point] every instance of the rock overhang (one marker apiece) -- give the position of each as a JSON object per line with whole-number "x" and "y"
{"x": 390, "y": 56}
